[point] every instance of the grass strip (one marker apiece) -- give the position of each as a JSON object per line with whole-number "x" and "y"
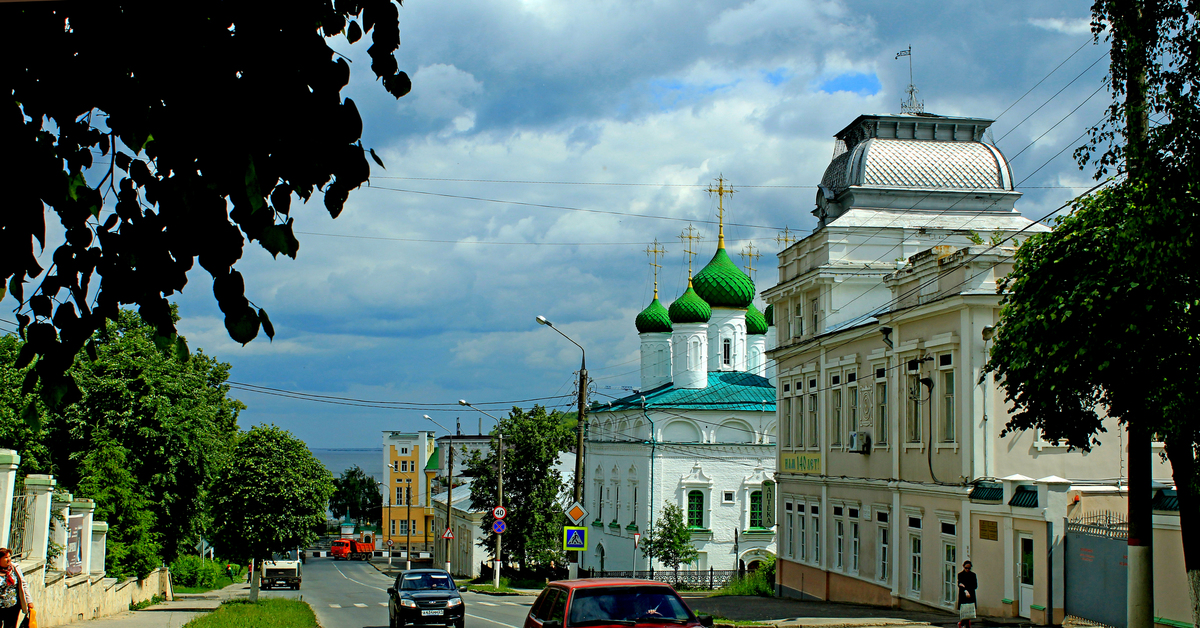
{"x": 266, "y": 613}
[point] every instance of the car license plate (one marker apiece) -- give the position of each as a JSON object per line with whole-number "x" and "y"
{"x": 430, "y": 613}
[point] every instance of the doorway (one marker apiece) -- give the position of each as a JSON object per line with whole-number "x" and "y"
{"x": 1024, "y": 573}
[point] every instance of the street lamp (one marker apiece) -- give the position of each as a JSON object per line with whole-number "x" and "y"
{"x": 573, "y": 566}
{"x": 449, "y": 485}
{"x": 499, "y": 484}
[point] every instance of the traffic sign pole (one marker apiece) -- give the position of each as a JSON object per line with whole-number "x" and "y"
{"x": 500, "y": 507}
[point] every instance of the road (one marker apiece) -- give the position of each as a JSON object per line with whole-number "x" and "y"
{"x": 354, "y": 595}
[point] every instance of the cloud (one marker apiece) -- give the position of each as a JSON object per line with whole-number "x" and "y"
{"x": 1066, "y": 26}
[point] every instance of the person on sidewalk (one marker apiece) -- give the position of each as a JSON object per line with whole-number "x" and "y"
{"x": 966, "y": 595}
{"x": 14, "y": 592}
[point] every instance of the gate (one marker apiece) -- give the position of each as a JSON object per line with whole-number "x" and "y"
{"x": 1096, "y": 568}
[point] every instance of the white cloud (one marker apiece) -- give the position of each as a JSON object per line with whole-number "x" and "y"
{"x": 1066, "y": 26}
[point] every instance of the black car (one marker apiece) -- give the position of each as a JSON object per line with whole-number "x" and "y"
{"x": 425, "y": 597}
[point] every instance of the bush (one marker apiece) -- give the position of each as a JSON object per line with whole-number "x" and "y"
{"x": 194, "y": 571}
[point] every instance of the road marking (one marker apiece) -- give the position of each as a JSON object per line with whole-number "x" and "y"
{"x": 487, "y": 603}
{"x": 498, "y": 623}
{"x": 383, "y": 603}
{"x": 361, "y": 605}
{"x": 335, "y": 606}
{"x": 339, "y": 570}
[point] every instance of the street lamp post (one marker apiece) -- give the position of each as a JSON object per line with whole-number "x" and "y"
{"x": 573, "y": 566}
{"x": 449, "y": 485}
{"x": 499, "y": 485}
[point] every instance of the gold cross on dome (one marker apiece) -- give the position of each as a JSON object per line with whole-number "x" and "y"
{"x": 721, "y": 191}
{"x": 750, "y": 253}
{"x": 690, "y": 237}
{"x": 786, "y": 237}
{"x": 655, "y": 251}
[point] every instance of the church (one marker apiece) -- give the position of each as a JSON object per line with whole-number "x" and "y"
{"x": 699, "y": 433}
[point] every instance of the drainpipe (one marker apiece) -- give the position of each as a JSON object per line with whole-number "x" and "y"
{"x": 653, "y": 446}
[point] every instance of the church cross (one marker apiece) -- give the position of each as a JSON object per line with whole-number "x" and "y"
{"x": 690, "y": 237}
{"x": 786, "y": 237}
{"x": 721, "y": 191}
{"x": 655, "y": 251}
{"x": 750, "y": 253}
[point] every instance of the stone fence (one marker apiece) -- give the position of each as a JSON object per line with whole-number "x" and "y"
{"x": 70, "y": 585}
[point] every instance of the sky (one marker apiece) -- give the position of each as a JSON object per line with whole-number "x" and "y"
{"x": 547, "y": 143}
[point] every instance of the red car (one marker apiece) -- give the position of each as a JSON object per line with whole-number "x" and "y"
{"x": 615, "y": 602}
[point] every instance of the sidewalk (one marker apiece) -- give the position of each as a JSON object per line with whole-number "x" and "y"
{"x": 789, "y": 613}
{"x": 184, "y": 608}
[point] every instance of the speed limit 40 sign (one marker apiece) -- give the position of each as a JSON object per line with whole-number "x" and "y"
{"x": 499, "y": 512}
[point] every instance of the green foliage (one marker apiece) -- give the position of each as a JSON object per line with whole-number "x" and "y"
{"x": 533, "y": 441}
{"x": 356, "y": 495}
{"x": 154, "y": 599}
{"x": 268, "y": 613}
{"x": 190, "y": 570}
{"x": 670, "y": 540}
{"x": 200, "y": 151}
{"x": 271, "y": 497}
{"x": 760, "y": 582}
{"x": 133, "y": 547}
{"x": 19, "y": 431}
{"x": 974, "y": 237}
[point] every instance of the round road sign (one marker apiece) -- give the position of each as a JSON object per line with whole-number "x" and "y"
{"x": 499, "y": 512}
{"x": 499, "y": 527}
{"x": 389, "y": 543}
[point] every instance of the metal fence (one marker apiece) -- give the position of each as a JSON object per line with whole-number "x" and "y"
{"x": 686, "y": 579}
{"x": 1105, "y": 523}
{"x": 20, "y": 538}
{"x": 1095, "y": 568}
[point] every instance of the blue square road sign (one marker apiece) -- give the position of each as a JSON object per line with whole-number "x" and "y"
{"x": 575, "y": 539}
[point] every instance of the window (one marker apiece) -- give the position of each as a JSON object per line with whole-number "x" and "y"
{"x": 852, "y": 399}
{"x": 403, "y": 527}
{"x": 404, "y": 451}
{"x": 839, "y": 541}
{"x": 814, "y": 316}
{"x": 949, "y": 573}
{"x": 799, "y": 321}
{"x": 813, "y": 434}
{"x": 835, "y": 418}
{"x": 726, "y": 352}
{"x": 756, "y": 509}
{"x": 789, "y": 534}
{"x": 949, "y": 528}
{"x": 635, "y": 505}
{"x": 816, "y": 530}
{"x": 798, "y": 422}
{"x": 617, "y": 505}
{"x": 914, "y": 554}
{"x": 884, "y": 557}
{"x": 404, "y": 466}
{"x": 913, "y": 432}
{"x": 803, "y": 536}
{"x": 399, "y": 495}
{"x": 693, "y": 355}
{"x": 881, "y": 422}
{"x": 393, "y": 527}
{"x": 853, "y": 547}
{"x": 727, "y": 497}
{"x": 785, "y": 422}
{"x": 695, "y": 509}
{"x": 948, "y": 407}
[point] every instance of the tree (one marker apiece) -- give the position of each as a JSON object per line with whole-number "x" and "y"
{"x": 133, "y": 547}
{"x": 356, "y": 495}
{"x": 1102, "y": 311}
{"x": 533, "y": 487}
{"x": 670, "y": 540}
{"x": 270, "y": 499}
{"x": 198, "y": 152}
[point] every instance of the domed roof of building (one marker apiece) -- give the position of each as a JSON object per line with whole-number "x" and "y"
{"x": 654, "y": 319}
{"x": 769, "y": 315}
{"x": 756, "y": 323}
{"x": 916, "y": 163}
{"x": 722, "y": 284}
{"x": 690, "y": 308}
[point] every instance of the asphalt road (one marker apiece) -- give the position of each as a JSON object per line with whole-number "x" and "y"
{"x": 351, "y": 594}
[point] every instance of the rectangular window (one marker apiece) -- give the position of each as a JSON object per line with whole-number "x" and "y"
{"x": 949, "y": 573}
{"x": 914, "y": 554}
{"x": 913, "y": 420}
{"x": 403, "y": 527}
{"x": 852, "y": 400}
{"x": 881, "y": 423}
{"x": 839, "y": 540}
{"x": 799, "y": 321}
{"x": 949, "y": 528}
{"x": 786, "y": 329}
{"x": 835, "y": 418}
{"x": 948, "y": 407}
{"x": 695, "y": 511}
{"x": 785, "y": 427}
{"x": 399, "y": 495}
{"x": 816, "y": 530}
{"x": 853, "y": 547}
{"x": 803, "y": 538}
{"x": 815, "y": 328}
{"x": 813, "y": 433}
{"x": 393, "y": 527}
{"x": 798, "y": 417}
{"x": 789, "y": 522}
{"x": 884, "y": 573}
{"x": 727, "y": 497}
{"x": 756, "y": 509}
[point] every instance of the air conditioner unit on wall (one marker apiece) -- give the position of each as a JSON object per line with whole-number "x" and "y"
{"x": 860, "y": 442}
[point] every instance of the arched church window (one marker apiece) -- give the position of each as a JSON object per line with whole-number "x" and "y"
{"x": 726, "y": 352}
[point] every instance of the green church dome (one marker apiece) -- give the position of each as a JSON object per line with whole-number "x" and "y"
{"x": 756, "y": 323}
{"x": 654, "y": 319}
{"x": 722, "y": 284}
{"x": 690, "y": 308}
{"x": 769, "y": 315}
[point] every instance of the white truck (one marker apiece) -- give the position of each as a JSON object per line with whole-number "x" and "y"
{"x": 284, "y": 571}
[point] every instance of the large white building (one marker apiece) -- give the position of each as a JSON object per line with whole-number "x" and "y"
{"x": 700, "y": 433}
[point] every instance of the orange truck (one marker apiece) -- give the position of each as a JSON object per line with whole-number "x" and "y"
{"x": 350, "y": 549}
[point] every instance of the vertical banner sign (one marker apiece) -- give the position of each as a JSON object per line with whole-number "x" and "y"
{"x": 75, "y": 544}
{"x": 768, "y": 503}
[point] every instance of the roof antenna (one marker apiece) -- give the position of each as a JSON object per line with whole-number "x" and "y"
{"x": 911, "y": 105}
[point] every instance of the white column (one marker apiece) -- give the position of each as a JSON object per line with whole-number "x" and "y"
{"x": 61, "y": 507}
{"x": 41, "y": 487}
{"x": 87, "y": 508}
{"x": 99, "y": 547}
{"x": 9, "y": 461}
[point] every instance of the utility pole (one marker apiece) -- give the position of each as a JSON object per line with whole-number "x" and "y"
{"x": 408, "y": 526}
{"x": 573, "y": 567}
{"x": 449, "y": 494}
{"x": 499, "y": 502}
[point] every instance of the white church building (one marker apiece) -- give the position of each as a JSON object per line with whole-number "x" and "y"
{"x": 700, "y": 432}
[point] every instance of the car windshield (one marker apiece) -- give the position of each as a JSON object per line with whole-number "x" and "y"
{"x": 627, "y": 605}
{"x": 426, "y": 581}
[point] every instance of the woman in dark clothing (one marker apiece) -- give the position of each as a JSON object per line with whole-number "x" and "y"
{"x": 966, "y": 595}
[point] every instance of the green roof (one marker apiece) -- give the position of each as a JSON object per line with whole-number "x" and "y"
{"x": 654, "y": 319}
{"x": 432, "y": 465}
{"x": 722, "y": 284}
{"x": 690, "y": 308}
{"x": 769, "y": 314}
{"x": 756, "y": 323}
{"x": 726, "y": 390}
{"x": 1025, "y": 497}
{"x": 987, "y": 492}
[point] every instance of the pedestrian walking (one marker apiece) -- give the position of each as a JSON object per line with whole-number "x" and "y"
{"x": 14, "y": 592}
{"x": 966, "y": 595}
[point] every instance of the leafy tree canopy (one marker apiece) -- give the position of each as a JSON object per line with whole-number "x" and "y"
{"x": 670, "y": 540}
{"x": 533, "y": 486}
{"x": 162, "y": 145}
{"x": 356, "y": 495}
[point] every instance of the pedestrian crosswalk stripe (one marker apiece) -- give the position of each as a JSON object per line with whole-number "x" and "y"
{"x": 335, "y": 606}
{"x": 487, "y": 603}
{"x": 361, "y": 605}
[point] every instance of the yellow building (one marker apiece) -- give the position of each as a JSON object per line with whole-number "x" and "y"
{"x": 410, "y": 464}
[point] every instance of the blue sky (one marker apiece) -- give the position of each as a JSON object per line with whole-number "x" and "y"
{"x": 417, "y": 294}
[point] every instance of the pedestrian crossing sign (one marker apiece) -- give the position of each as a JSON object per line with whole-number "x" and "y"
{"x": 575, "y": 539}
